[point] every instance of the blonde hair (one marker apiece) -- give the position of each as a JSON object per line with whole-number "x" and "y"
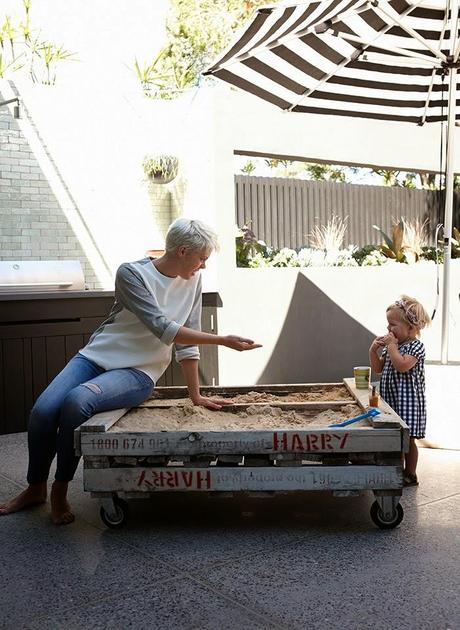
{"x": 411, "y": 312}
{"x": 190, "y": 233}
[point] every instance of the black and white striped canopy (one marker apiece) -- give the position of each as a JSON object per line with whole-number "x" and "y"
{"x": 384, "y": 60}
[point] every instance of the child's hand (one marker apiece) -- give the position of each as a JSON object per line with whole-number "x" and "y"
{"x": 389, "y": 339}
{"x": 377, "y": 343}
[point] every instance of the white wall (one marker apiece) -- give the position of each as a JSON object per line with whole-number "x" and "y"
{"x": 97, "y": 127}
{"x": 332, "y": 317}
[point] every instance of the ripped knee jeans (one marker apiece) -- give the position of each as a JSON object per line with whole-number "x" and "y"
{"x": 81, "y": 390}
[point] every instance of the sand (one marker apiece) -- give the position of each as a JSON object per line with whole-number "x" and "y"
{"x": 192, "y": 418}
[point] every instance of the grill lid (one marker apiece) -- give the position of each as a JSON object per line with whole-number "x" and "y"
{"x": 41, "y": 275}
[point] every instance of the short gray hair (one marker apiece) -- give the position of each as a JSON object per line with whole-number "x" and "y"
{"x": 190, "y": 233}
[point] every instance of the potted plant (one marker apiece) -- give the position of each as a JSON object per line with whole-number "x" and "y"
{"x": 161, "y": 169}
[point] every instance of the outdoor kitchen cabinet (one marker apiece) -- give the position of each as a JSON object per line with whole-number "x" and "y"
{"x": 40, "y": 332}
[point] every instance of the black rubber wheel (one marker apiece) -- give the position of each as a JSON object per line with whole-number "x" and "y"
{"x": 378, "y": 517}
{"x": 121, "y": 516}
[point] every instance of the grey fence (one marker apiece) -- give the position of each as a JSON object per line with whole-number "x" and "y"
{"x": 283, "y": 212}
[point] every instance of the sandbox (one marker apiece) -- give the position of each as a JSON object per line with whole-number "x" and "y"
{"x": 267, "y": 438}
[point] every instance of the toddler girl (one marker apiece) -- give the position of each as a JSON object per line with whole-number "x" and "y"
{"x": 402, "y": 364}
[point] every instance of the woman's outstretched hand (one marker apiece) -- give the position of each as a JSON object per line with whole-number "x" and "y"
{"x": 240, "y": 343}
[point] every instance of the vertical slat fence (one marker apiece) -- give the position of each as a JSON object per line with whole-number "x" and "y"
{"x": 283, "y": 212}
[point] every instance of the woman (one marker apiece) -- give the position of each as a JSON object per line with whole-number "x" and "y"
{"x": 157, "y": 304}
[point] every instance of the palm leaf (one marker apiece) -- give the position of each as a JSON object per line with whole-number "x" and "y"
{"x": 398, "y": 236}
{"x": 387, "y": 251}
{"x": 386, "y": 238}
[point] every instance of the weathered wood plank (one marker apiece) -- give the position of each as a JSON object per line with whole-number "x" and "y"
{"x": 360, "y": 395}
{"x": 387, "y": 418}
{"x": 102, "y": 421}
{"x": 238, "y": 442}
{"x": 243, "y": 479}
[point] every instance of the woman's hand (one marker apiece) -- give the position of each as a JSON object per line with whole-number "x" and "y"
{"x": 239, "y": 343}
{"x": 210, "y": 403}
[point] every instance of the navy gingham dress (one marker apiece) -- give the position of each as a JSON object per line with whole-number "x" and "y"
{"x": 405, "y": 391}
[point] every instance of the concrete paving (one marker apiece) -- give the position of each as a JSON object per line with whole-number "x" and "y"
{"x": 305, "y": 560}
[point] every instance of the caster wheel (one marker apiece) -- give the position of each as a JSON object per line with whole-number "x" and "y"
{"x": 378, "y": 517}
{"x": 119, "y": 518}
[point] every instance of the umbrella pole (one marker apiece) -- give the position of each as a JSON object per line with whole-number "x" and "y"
{"x": 448, "y": 216}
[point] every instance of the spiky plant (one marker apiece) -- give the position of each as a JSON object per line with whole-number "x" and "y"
{"x": 415, "y": 234}
{"x": 329, "y": 237}
{"x": 400, "y": 246}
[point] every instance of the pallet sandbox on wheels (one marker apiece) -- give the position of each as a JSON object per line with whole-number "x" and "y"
{"x": 167, "y": 445}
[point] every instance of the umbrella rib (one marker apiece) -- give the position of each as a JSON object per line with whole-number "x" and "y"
{"x": 253, "y": 52}
{"x": 433, "y": 74}
{"x": 307, "y": 93}
{"x": 404, "y": 52}
{"x": 386, "y": 10}
{"x": 398, "y": 61}
{"x": 457, "y": 52}
{"x": 428, "y": 96}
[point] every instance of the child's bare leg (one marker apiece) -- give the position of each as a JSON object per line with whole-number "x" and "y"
{"x": 61, "y": 512}
{"x": 412, "y": 457}
{"x": 35, "y": 494}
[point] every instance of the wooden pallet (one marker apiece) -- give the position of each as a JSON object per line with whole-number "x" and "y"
{"x": 327, "y": 458}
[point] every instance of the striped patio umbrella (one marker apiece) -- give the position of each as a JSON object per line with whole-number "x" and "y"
{"x": 394, "y": 61}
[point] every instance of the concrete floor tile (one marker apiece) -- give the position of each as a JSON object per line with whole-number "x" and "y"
{"x": 303, "y": 560}
{"x": 195, "y": 532}
{"x": 64, "y": 566}
{"x": 14, "y": 456}
{"x": 8, "y": 488}
{"x": 376, "y": 580}
{"x": 179, "y": 604}
{"x": 432, "y": 484}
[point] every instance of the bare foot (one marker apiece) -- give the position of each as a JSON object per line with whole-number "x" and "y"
{"x": 33, "y": 495}
{"x": 61, "y": 512}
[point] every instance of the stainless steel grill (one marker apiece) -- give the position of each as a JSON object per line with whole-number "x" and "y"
{"x": 41, "y": 275}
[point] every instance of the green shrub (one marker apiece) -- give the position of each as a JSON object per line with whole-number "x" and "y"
{"x": 432, "y": 253}
{"x": 247, "y": 246}
{"x": 360, "y": 254}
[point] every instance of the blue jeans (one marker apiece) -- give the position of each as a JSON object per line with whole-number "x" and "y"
{"x": 82, "y": 389}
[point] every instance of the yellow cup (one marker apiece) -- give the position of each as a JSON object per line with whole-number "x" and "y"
{"x": 362, "y": 377}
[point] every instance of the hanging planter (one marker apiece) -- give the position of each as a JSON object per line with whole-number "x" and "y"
{"x": 161, "y": 169}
